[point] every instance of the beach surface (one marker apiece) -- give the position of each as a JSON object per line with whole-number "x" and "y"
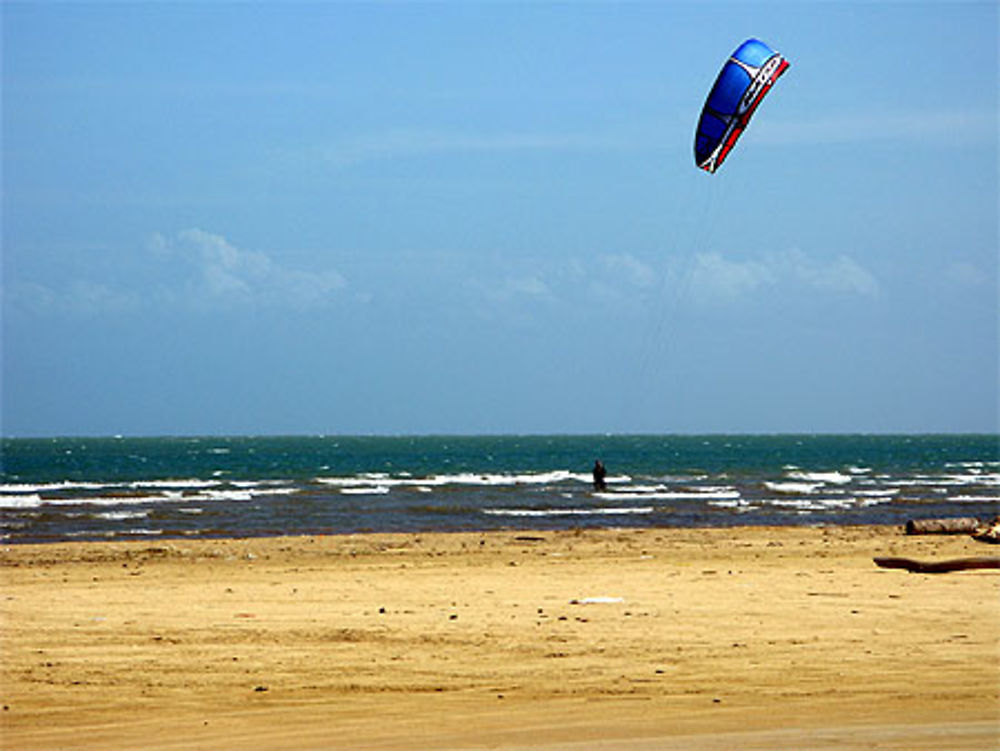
{"x": 748, "y": 638}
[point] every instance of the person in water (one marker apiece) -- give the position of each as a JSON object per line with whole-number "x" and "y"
{"x": 599, "y": 474}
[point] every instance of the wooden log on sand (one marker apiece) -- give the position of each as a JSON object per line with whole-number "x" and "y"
{"x": 937, "y": 567}
{"x": 990, "y": 534}
{"x": 960, "y": 526}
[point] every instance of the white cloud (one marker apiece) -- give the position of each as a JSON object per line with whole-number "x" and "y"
{"x": 213, "y": 271}
{"x": 964, "y": 274}
{"x": 841, "y": 274}
{"x": 608, "y": 280}
{"x": 716, "y": 279}
{"x": 622, "y": 281}
{"x": 519, "y": 288}
{"x": 194, "y": 269}
{"x": 629, "y": 269}
{"x": 80, "y": 296}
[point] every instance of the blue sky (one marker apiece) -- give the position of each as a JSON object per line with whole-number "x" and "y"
{"x": 485, "y": 217}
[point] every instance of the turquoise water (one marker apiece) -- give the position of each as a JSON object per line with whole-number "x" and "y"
{"x": 90, "y": 488}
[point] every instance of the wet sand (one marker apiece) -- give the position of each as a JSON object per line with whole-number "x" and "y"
{"x": 746, "y": 638}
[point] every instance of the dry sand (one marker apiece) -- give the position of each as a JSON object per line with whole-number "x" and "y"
{"x": 630, "y": 640}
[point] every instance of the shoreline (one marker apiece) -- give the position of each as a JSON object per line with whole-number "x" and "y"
{"x": 703, "y": 637}
{"x": 195, "y": 539}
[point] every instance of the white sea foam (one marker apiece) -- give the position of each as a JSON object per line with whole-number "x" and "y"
{"x": 222, "y": 495}
{"x": 461, "y": 478}
{"x": 371, "y": 490}
{"x": 162, "y": 485}
{"x": 973, "y": 465}
{"x": 50, "y": 487}
{"x": 741, "y": 505}
{"x": 354, "y": 482}
{"x": 568, "y": 511}
{"x": 976, "y": 499}
{"x": 947, "y": 481}
{"x": 250, "y": 484}
{"x": 161, "y": 491}
{"x": 239, "y": 494}
{"x": 165, "y": 496}
{"x": 113, "y": 533}
{"x": 663, "y": 491}
{"x": 992, "y": 478}
{"x": 825, "y": 504}
{"x": 971, "y": 479}
{"x": 685, "y": 479}
{"x": 21, "y": 500}
{"x": 866, "y": 502}
{"x": 793, "y": 488}
{"x": 529, "y": 478}
{"x": 120, "y": 500}
{"x": 882, "y": 493}
{"x": 832, "y": 478}
{"x": 712, "y": 489}
{"x": 364, "y": 481}
{"x": 191, "y": 484}
{"x": 646, "y": 488}
{"x": 122, "y": 515}
{"x": 271, "y": 490}
{"x": 811, "y": 504}
{"x": 669, "y": 495}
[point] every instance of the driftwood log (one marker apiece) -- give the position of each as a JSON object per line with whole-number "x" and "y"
{"x": 990, "y": 534}
{"x": 937, "y": 567}
{"x": 959, "y": 526}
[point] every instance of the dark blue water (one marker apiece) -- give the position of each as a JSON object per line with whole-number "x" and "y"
{"x": 86, "y": 488}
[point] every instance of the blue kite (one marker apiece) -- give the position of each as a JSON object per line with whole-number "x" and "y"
{"x": 744, "y": 80}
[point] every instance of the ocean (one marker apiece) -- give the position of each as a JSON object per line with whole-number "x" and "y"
{"x": 63, "y": 489}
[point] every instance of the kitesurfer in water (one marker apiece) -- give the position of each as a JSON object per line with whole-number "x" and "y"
{"x": 599, "y": 474}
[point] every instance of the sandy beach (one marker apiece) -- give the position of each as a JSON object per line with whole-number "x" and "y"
{"x": 744, "y": 638}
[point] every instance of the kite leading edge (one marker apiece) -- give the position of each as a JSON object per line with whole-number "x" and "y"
{"x": 742, "y": 83}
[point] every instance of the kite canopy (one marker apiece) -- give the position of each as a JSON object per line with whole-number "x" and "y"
{"x": 744, "y": 80}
